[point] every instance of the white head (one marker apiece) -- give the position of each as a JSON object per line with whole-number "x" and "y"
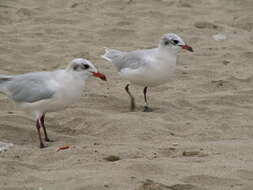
{"x": 84, "y": 67}
{"x": 174, "y": 43}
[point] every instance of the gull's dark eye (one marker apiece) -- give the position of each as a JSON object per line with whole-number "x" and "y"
{"x": 166, "y": 43}
{"x": 175, "y": 41}
{"x": 75, "y": 67}
{"x": 85, "y": 66}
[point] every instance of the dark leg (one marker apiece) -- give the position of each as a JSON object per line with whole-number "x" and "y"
{"x": 132, "y": 107}
{"x": 39, "y": 134}
{"x": 44, "y": 128}
{"x": 146, "y": 107}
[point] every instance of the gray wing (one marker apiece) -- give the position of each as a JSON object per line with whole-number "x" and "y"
{"x": 29, "y": 87}
{"x": 132, "y": 60}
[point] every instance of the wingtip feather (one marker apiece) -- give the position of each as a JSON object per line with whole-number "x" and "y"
{"x": 106, "y": 58}
{"x": 105, "y": 55}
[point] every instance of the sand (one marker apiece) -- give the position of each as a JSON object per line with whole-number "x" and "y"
{"x": 200, "y": 133}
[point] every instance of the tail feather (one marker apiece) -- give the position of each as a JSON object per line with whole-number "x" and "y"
{"x": 3, "y": 80}
{"x": 111, "y": 54}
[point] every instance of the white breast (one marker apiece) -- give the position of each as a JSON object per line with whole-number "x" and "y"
{"x": 69, "y": 91}
{"x": 157, "y": 71}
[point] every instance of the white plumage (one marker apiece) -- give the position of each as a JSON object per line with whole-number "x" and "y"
{"x": 42, "y": 92}
{"x": 149, "y": 67}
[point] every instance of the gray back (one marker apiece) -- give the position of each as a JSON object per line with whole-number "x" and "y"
{"x": 30, "y": 87}
{"x": 133, "y": 59}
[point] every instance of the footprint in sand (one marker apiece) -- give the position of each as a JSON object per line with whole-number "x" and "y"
{"x": 204, "y": 25}
{"x": 245, "y": 174}
{"x": 10, "y": 131}
{"x": 244, "y": 23}
{"x": 207, "y": 181}
{"x": 152, "y": 185}
{"x": 24, "y": 12}
{"x": 248, "y": 55}
{"x": 116, "y": 32}
{"x": 188, "y": 3}
{"x": 6, "y": 14}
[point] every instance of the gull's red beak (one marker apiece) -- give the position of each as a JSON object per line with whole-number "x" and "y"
{"x": 99, "y": 75}
{"x": 189, "y": 48}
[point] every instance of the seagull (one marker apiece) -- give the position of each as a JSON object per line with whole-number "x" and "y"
{"x": 147, "y": 67}
{"x": 42, "y": 92}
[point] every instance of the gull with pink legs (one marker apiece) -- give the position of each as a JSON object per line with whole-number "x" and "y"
{"x": 42, "y": 92}
{"x": 147, "y": 67}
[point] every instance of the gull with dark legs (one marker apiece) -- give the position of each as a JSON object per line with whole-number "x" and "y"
{"x": 147, "y": 67}
{"x": 42, "y": 92}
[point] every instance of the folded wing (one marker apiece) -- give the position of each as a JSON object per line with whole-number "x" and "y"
{"x": 131, "y": 60}
{"x": 27, "y": 88}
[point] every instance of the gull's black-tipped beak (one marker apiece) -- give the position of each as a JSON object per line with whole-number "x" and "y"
{"x": 189, "y": 48}
{"x": 99, "y": 75}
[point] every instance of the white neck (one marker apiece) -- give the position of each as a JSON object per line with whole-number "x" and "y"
{"x": 167, "y": 55}
{"x": 173, "y": 51}
{"x": 77, "y": 75}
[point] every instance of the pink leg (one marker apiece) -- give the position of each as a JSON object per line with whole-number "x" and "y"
{"x": 44, "y": 128}
{"x": 38, "y": 125}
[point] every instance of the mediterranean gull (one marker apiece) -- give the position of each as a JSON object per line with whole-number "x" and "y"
{"x": 147, "y": 67}
{"x": 42, "y": 92}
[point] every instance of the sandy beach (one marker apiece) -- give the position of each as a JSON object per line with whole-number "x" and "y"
{"x": 200, "y": 135}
